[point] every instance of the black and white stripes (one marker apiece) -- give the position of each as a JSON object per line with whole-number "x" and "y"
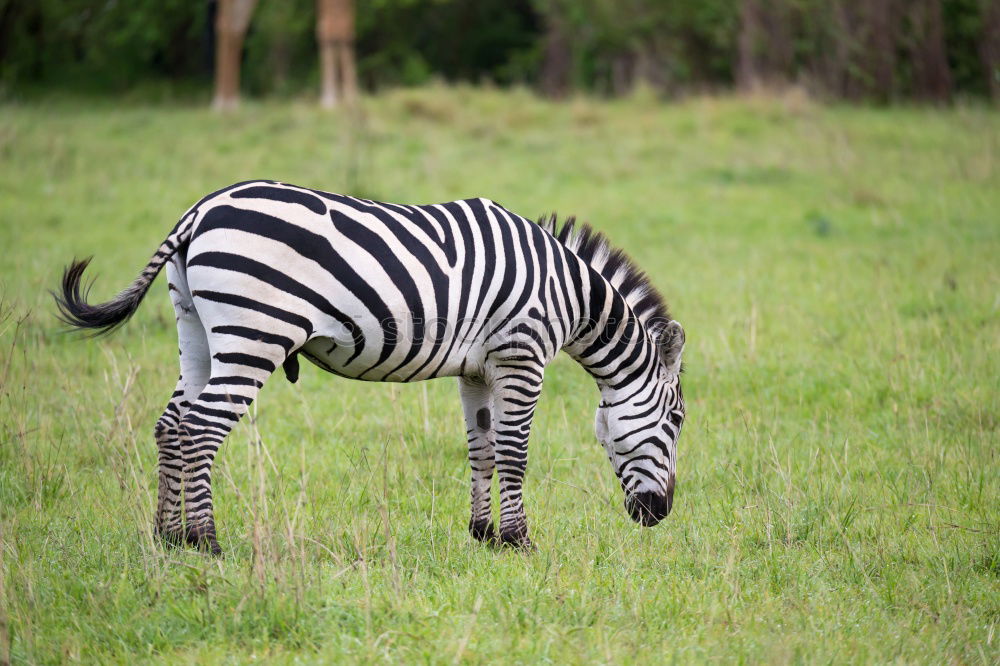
{"x": 262, "y": 272}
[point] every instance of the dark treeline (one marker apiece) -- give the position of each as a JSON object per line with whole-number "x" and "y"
{"x": 879, "y": 50}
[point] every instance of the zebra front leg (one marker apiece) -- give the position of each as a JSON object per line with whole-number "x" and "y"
{"x": 514, "y": 397}
{"x": 477, "y": 403}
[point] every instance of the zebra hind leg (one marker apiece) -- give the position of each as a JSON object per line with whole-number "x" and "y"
{"x": 236, "y": 379}
{"x": 477, "y": 405}
{"x": 223, "y": 367}
{"x": 195, "y": 365}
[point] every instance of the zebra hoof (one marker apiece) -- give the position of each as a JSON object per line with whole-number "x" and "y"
{"x": 201, "y": 538}
{"x": 517, "y": 539}
{"x": 483, "y": 531}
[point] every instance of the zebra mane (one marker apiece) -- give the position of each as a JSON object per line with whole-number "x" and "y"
{"x": 594, "y": 248}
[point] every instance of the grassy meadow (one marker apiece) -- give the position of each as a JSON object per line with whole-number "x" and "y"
{"x": 837, "y": 271}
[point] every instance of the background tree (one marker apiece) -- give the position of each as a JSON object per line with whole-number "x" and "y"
{"x": 881, "y": 35}
{"x": 231, "y": 22}
{"x": 747, "y": 74}
{"x": 556, "y": 74}
{"x": 989, "y": 46}
{"x": 854, "y": 53}
{"x": 335, "y": 33}
{"x": 927, "y": 50}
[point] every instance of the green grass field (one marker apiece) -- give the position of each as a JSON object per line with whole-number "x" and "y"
{"x": 838, "y": 274}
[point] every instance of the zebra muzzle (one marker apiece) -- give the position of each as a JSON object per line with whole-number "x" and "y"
{"x": 648, "y": 508}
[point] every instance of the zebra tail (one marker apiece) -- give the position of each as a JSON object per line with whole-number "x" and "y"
{"x": 104, "y": 318}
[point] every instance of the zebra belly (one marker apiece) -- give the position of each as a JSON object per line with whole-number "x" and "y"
{"x": 339, "y": 359}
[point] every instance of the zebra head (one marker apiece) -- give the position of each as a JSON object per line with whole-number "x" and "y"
{"x": 639, "y": 430}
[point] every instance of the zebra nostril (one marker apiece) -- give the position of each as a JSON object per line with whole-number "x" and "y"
{"x": 648, "y": 508}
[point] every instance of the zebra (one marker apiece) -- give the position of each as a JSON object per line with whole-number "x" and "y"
{"x": 261, "y": 273}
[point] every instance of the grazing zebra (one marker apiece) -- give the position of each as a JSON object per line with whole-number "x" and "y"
{"x": 262, "y": 272}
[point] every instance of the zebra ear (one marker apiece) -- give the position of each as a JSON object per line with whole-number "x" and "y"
{"x": 670, "y": 339}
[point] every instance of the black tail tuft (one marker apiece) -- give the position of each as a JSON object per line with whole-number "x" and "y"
{"x": 103, "y": 318}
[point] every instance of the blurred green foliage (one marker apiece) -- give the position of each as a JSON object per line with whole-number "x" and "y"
{"x": 102, "y": 45}
{"x": 108, "y": 46}
{"x": 608, "y": 45}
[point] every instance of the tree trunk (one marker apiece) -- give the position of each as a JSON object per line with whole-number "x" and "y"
{"x": 931, "y": 74}
{"x": 989, "y": 46}
{"x": 747, "y": 69}
{"x": 882, "y": 28}
{"x": 838, "y": 62}
{"x": 231, "y": 23}
{"x": 557, "y": 58}
{"x": 335, "y": 34}
{"x": 327, "y": 74}
{"x": 779, "y": 56}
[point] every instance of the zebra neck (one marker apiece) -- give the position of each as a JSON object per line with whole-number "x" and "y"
{"x": 611, "y": 342}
